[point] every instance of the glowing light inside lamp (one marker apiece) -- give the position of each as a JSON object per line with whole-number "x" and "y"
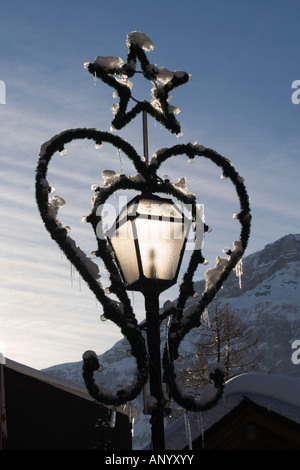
{"x": 148, "y": 239}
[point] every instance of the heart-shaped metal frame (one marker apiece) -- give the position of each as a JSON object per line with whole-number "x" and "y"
{"x": 121, "y": 312}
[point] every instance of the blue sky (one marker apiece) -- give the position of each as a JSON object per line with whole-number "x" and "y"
{"x": 243, "y": 57}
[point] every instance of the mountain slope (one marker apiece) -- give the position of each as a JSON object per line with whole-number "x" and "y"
{"x": 268, "y": 300}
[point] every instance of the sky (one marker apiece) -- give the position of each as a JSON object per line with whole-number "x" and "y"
{"x": 242, "y": 100}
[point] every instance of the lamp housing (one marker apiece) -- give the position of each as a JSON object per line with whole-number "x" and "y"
{"x": 148, "y": 239}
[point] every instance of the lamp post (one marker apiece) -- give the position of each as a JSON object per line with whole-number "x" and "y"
{"x": 148, "y": 240}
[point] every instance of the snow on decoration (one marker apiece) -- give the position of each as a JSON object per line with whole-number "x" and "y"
{"x": 139, "y": 39}
{"x": 212, "y": 275}
{"x": 115, "y": 73}
{"x": 146, "y": 179}
{"x": 108, "y": 176}
{"x": 109, "y": 62}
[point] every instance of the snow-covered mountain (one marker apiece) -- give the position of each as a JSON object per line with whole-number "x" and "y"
{"x": 268, "y": 299}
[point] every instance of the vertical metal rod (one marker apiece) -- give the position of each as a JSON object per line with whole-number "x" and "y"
{"x": 145, "y": 137}
{"x": 155, "y": 376}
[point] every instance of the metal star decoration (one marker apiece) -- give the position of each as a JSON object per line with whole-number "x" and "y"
{"x": 114, "y": 72}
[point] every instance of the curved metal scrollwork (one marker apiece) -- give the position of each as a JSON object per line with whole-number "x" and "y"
{"x": 121, "y": 312}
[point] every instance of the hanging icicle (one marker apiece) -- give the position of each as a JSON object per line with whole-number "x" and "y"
{"x": 129, "y": 407}
{"x": 200, "y": 426}
{"x": 71, "y": 274}
{"x": 167, "y": 334}
{"x": 120, "y": 158}
{"x": 130, "y": 417}
{"x": 206, "y": 317}
{"x": 239, "y": 272}
{"x": 113, "y": 417}
{"x": 188, "y": 433}
{"x": 145, "y": 400}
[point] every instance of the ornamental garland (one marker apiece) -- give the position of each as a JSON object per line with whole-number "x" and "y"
{"x": 115, "y": 73}
{"x": 122, "y": 314}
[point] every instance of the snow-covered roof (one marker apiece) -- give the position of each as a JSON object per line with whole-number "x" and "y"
{"x": 276, "y": 387}
{"x": 276, "y": 393}
{"x": 47, "y": 378}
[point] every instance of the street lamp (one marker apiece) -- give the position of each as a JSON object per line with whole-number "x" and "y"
{"x": 148, "y": 240}
{"x": 143, "y": 250}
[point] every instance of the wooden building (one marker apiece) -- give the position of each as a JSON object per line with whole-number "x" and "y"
{"x": 257, "y": 412}
{"x": 46, "y": 413}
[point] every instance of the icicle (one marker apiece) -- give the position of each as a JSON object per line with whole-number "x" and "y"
{"x": 145, "y": 400}
{"x": 167, "y": 334}
{"x": 71, "y": 274}
{"x": 202, "y": 430}
{"x": 188, "y": 434}
{"x": 239, "y": 272}
{"x": 129, "y": 407}
{"x": 120, "y": 157}
{"x": 206, "y": 317}
{"x": 199, "y": 420}
{"x": 200, "y": 426}
{"x": 113, "y": 417}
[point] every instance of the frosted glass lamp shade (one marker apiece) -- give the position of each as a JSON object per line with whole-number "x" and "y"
{"x": 148, "y": 240}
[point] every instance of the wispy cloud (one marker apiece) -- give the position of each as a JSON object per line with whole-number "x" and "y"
{"x": 47, "y": 314}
